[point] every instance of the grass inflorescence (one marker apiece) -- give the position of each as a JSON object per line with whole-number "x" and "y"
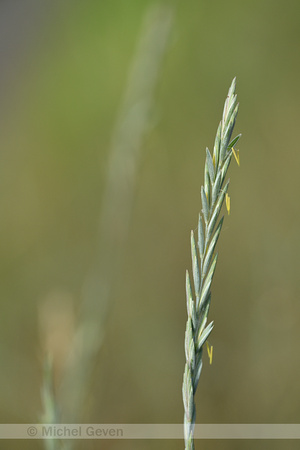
{"x": 204, "y": 258}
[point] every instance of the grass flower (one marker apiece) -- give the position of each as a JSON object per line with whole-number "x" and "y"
{"x": 204, "y": 258}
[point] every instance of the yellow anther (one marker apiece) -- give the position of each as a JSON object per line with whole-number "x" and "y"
{"x": 209, "y": 352}
{"x": 227, "y": 200}
{"x": 236, "y": 154}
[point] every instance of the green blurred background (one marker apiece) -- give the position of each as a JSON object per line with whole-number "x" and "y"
{"x": 64, "y": 69}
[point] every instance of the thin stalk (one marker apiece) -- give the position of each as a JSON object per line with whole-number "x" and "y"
{"x": 50, "y": 408}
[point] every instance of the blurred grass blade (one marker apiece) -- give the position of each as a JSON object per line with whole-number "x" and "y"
{"x": 126, "y": 146}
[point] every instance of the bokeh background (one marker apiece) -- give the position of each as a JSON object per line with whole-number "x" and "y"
{"x": 64, "y": 71}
